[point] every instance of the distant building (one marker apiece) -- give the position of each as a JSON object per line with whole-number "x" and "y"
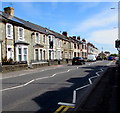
{"x": 107, "y": 53}
{"x": 92, "y": 50}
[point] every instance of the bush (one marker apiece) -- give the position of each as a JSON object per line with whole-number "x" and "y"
{"x": 6, "y": 61}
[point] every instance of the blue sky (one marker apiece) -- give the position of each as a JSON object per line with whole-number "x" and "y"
{"x": 94, "y": 21}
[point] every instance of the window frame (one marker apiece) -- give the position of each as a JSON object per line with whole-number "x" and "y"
{"x": 21, "y": 37}
{"x": 9, "y": 36}
{"x": 37, "y": 39}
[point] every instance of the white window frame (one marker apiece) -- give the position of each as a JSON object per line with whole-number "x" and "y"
{"x": 21, "y": 38}
{"x": 9, "y": 36}
{"x": 12, "y": 55}
{"x": 44, "y": 38}
{"x": 25, "y": 54}
{"x": 22, "y": 52}
{"x": 37, "y": 40}
{"x": 43, "y": 54}
{"x": 35, "y": 54}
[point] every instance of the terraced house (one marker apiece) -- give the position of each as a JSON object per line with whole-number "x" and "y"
{"x": 24, "y": 42}
{"x": 92, "y": 50}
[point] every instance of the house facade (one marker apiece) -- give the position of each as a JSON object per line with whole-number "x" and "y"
{"x": 84, "y": 49}
{"x": 92, "y": 50}
{"x": 0, "y": 51}
{"x": 25, "y": 42}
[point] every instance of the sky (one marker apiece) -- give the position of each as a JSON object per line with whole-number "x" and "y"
{"x": 94, "y": 21}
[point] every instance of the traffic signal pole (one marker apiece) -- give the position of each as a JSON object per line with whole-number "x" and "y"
{"x": 118, "y": 48}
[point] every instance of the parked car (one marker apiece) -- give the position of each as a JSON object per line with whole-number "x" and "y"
{"x": 78, "y": 61}
{"x": 111, "y": 58}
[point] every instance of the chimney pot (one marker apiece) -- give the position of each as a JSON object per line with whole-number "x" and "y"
{"x": 74, "y": 37}
{"x": 9, "y": 10}
{"x": 78, "y": 37}
{"x": 65, "y": 33}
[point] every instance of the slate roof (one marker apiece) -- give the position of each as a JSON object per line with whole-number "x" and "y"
{"x": 16, "y": 20}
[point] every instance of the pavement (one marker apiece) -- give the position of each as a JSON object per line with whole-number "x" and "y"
{"x": 104, "y": 97}
{"x": 29, "y": 71}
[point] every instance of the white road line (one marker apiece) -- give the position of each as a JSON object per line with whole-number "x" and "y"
{"x": 90, "y": 82}
{"x": 27, "y": 73}
{"x": 27, "y": 83}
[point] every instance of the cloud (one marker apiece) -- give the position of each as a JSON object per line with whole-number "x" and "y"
{"x": 104, "y": 36}
{"x": 103, "y": 19}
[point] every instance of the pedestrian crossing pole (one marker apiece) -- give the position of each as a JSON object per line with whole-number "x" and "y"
{"x": 119, "y": 30}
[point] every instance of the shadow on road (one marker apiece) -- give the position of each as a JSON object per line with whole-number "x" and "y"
{"x": 48, "y": 101}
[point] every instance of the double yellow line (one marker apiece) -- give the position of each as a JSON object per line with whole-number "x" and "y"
{"x": 63, "y": 109}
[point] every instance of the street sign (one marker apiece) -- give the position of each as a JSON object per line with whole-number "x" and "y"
{"x": 117, "y": 43}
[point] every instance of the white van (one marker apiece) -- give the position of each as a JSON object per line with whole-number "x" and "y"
{"x": 91, "y": 58}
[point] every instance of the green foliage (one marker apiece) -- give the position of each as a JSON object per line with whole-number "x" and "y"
{"x": 114, "y": 55}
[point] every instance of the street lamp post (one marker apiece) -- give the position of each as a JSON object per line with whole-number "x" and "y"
{"x": 117, "y": 42}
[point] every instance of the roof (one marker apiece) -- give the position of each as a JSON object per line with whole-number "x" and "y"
{"x": 16, "y": 20}
{"x": 8, "y": 18}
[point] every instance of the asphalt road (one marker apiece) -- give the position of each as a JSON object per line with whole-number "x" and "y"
{"x": 40, "y": 90}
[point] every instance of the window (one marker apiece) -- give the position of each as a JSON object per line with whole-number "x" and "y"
{"x": 19, "y": 54}
{"x": 25, "y": 54}
{"x": 49, "y": 54}
{"x": 44, "y": 54}
{"x": 9, "y": 31}
{"x": 40, "y": 54}
{"x": 49, "y": 39}
{"x": 74, "y": 54}
{"x": 20, "y": 33}
{"x": 9, "y": 52}
{"x": 37, "y": 38}
{"x": 44, "y": 39}
{"x": 36, "y": 54}
{"x": 59, "y": 43}
{"x": 75, "y": 46}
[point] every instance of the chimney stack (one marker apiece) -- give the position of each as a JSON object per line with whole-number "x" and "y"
{"x": 78, "y": 37}
{"x": 9, "y": 10}
{"x": 65, "y": 33}
{"x": 74, "y": 37}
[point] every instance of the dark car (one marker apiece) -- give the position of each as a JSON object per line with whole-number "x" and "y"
{"x": 78, "y": 60}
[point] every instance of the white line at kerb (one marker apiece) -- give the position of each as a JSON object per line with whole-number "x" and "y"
{"x": 90, "y": 82}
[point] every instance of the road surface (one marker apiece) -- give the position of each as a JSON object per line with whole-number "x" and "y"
{"x": 40, "y": 90}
